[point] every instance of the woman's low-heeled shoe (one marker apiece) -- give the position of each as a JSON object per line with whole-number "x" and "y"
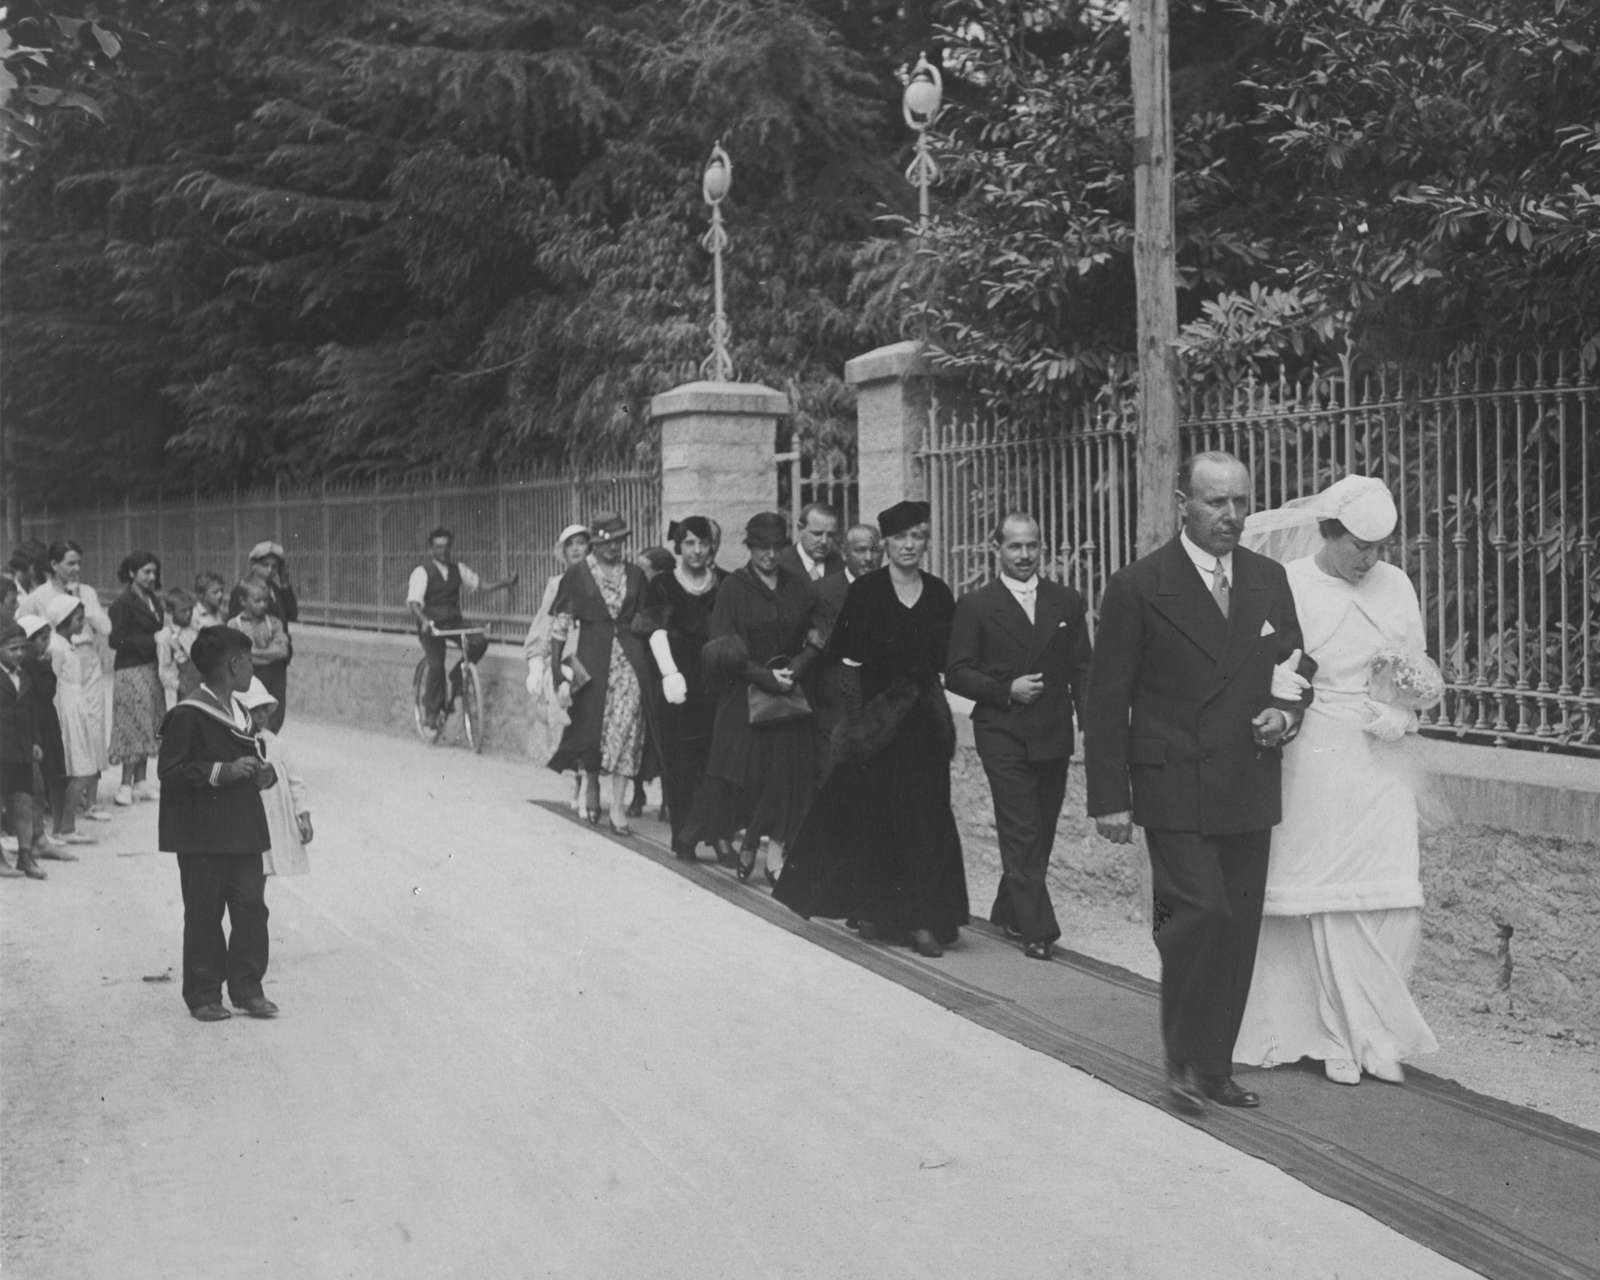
{"x": 1342, "y": 1071}
{"x": 747, "y": 864}
{"x": 922, "y": 942}
{"x": 725, "y": 855}
{"x": 1038, "y": 950}
{"x": 621, "y": 829}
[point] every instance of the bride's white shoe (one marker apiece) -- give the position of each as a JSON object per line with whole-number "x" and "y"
{"x": 1342, "y": 1071}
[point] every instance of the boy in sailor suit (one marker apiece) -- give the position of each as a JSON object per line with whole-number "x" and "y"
{"x": 212, "y": 774}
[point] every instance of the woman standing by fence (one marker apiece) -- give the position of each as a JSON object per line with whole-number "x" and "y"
{"x": 138, "y": 701}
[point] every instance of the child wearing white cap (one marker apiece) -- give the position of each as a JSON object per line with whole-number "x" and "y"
{"x": 288, "y": 807}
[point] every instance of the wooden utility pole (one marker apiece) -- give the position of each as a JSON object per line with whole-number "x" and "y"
{"x": 1154, "y": 273}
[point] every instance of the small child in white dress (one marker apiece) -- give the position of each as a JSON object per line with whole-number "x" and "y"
{"x": 178, "y": 675}
{"x": 287, "y": 805}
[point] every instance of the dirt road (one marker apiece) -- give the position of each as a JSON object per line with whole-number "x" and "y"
{"x": 510, "y": 1048}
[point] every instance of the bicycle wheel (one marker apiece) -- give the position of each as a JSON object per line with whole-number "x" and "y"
{"x": 472, "y": 705}
{"x": 419, "y": 682}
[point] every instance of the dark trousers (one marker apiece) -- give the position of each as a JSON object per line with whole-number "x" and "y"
{"x": 212, "y": 883}
{"x": 433, "y": 649}
{"x": 274, "y": 677}
{"x": 1027, "y": 803}
{"x": 1207, "y": 920}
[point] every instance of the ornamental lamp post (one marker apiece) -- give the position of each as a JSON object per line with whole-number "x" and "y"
{"x": 714, "y": 186}
{"x": 920, "y": 104}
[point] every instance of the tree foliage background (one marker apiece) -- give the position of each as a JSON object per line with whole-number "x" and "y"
{"x": 387, "y": 235}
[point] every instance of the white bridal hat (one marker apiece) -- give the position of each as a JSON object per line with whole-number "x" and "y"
{"x": 1362, "y": 504}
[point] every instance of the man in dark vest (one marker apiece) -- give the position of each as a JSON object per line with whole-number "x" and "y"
{"x": 212, "y": 776}
{"x": 434, "y": 597}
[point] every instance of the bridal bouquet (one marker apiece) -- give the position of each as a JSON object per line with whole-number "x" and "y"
{"x": 1404, "y": 678}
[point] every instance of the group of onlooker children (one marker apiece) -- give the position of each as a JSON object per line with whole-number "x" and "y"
{"x": 55, "y": 740}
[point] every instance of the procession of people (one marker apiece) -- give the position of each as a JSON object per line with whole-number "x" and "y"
{"x": 1243, "y": 683}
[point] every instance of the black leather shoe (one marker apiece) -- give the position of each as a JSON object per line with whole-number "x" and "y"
{"x": 726, "y": 857}
{"x": 683, "y": 850}
{"x": 1183, "y": 1093}
{"x": 924, "y": 944}
{"x": 257, "y": 1007}
{"x": 1012, "y": 932}
{"x": 209, "y": 1013}
{"x": 1038, "y": 950}
{"x": 1225, "y": 1093}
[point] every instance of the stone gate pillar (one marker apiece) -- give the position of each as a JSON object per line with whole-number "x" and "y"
{"x": 718, "y": 441}
{"x": 894, "y": 410}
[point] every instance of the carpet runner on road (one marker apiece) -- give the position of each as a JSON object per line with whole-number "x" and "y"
{"x": 1505, "y": 1190}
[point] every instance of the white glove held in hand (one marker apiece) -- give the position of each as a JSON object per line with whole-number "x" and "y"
{"x": 1387, "y": 723}
{"x": 675, "y": 688}
{"x": 1288, "y": 685}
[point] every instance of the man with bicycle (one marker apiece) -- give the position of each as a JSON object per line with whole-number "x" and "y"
{"x": 434, "y": 598}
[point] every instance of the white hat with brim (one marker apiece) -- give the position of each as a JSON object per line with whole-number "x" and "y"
{"x": 32, "y": 624}
{"x": 1363, "y": 505}
{"x": 264, "y": 549}
{"x": 62, "y": 607}
{"x": 571, "y": 532}
{"x": 256, "y": 696}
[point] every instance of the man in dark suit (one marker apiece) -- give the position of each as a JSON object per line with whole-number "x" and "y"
{"x": 1019, "y": 648}
{"x": 863, "y": 552}
{"x": 211, "y": 817}
{"x": 1193, "y": 692}
{"x": 814, "y": 554}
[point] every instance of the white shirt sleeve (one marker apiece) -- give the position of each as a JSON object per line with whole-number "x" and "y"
{"x": 417, "y": 587}
{"x": 469, "y": 580}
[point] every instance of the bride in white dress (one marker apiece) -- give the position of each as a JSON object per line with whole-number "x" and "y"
{"x": 1343, "y": 908}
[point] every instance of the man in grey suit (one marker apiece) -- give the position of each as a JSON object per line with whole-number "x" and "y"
{"x": 1019, "y": 648}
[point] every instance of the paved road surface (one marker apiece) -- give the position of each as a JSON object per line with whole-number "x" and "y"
{"x": 510, "y": 1048}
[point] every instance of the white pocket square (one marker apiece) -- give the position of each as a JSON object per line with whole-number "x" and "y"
{"x": 1059, "y": 625}
{"x": 1267, "y": 629}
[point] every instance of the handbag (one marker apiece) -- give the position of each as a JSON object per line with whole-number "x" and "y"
{"x": 776, "y": 708}
{"x": 577, "y": 674}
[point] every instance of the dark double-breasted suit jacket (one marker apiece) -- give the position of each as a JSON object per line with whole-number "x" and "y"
{"x": 789, "y": 558}
{"x": 992, "y": 643}
{"x": 1174, "y": 688}
{"x": 1172, "y": 693}
{"x": 827, "y": 598}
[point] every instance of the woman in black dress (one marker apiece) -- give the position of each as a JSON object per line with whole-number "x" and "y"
{"x": 676, "y": 621}
{"x": 880, "y": 844}
{"x": 758, "y": 776}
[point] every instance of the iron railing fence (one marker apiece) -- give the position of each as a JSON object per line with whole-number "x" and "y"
{"x": 1078, "y": 482}
{"x": 1495, "y": 464}
{"x": 351, "y": 548}
{"x": 809, "y": 471}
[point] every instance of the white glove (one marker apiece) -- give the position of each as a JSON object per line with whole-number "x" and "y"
{"x": 1288, "y": 685}
{"x": 675, "y": 688}
{"x": 1387, "y": 723}
{"x": 531, "y": 684}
